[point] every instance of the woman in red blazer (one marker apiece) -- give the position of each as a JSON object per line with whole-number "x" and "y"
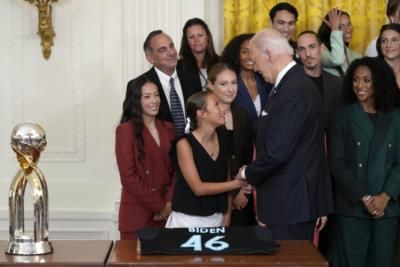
{"x": 142, "y": 150}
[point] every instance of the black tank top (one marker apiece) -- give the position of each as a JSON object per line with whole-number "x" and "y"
{"x": 210, "y": 170}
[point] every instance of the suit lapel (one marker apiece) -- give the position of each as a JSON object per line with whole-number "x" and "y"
{"x": 376, "y": 135}
{"x": 360, "y": 120}
{"x": 154, "y": 149}
{"x": 245, "y": 96}
{"x": 186, "y": 85}
{"x": 276, "y": 90}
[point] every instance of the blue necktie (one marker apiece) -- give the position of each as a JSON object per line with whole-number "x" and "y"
{"x": 176, "y": 109}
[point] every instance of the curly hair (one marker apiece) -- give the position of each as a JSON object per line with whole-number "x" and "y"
{"x": 391, "y": 26}
{"x": 186, "y": 54}
{"x": 383, "y": 80}
{"x": 231, "y": 52}
{"x": 132, "y": 110}
{"x": 324, "y": 31}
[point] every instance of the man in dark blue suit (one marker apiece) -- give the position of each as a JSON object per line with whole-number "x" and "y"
{"x": 290, "y": 172}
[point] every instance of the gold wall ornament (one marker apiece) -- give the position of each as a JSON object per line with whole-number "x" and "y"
{"x": 28, "y": 140}
{"x": 45, "y": 25}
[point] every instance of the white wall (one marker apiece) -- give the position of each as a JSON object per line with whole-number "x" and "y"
{"x": 77, "y": 97}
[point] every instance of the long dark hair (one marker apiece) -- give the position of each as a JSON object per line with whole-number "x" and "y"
{"x": 383, "y": 79}
{"x": 231, "y": 52}
{"x": 132, "y": 110}
{"x": 324, "y": 31}
{"x": 186, "y": 54}
{"x": 394, "y": 27}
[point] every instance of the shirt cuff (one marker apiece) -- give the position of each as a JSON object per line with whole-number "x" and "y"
{"x": 243, "y": 173}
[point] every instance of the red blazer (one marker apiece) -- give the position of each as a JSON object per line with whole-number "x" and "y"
{"x": 146, "y": 184}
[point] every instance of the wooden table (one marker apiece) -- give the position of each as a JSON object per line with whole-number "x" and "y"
{"x": 290, "y": 253}
{"x": 66, "y": 252}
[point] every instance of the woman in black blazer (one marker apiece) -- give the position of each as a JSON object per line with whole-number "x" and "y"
{"x": 253, "y": 91}
{"x": 197, "y": 53}
{"x": 223, "y": 82}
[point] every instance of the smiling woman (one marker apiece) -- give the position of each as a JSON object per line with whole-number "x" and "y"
{"x": 142, "y": 149}
{"x": 335, "y": 33}
{"x": 364, "y": 159}
{"x": 252, "y": 90}
{"x": 201, "y": 156}
{"x": 238, "y": 125}
{"x": 388, "y": 47}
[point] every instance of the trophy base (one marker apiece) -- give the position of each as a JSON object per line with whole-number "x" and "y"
{"x": 28, "y": 247}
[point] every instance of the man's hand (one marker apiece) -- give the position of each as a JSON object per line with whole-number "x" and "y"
{"x": 240, "y": 201}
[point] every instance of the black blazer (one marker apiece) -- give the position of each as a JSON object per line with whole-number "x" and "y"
{"x": 290, "y": 170}
{"x": 187, "y": 88}
{"x": 332, "y": 87}
{"x": 192, "y": 73}
{"x": 242, "y": 139}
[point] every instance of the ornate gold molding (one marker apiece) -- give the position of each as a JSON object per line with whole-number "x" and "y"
{"x": 45, "y": 25}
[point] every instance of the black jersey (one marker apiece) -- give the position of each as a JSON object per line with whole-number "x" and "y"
{"x": 207, "y": 240}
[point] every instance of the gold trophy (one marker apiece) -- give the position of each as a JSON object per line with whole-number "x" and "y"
{"x": 28, "y": 140}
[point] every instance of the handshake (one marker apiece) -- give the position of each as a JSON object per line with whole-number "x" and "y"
{"x": 241, "y": 173}
{"x": 240, "y": 178}
{"x": 376, "y": 204}
{"x": 240, "y": 201}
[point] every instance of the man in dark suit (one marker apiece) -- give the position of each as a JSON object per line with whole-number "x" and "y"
{"x": 290, "y": 172}
{"x": 160, "y": 51}
{"x": 309, "y": 49}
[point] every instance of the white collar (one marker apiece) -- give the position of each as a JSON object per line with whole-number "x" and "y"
{"x": 283, "y": 72}
{"x": 164, "y": 76}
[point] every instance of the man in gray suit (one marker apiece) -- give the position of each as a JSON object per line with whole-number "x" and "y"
{"x": 309, "y": 50}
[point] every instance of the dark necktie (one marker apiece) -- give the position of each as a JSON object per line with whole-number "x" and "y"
{"x": 273, "y": 91}
{"x": 176, "y": 109}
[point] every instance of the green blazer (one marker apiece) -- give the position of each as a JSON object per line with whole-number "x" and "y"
{"x": 364, "y": 159}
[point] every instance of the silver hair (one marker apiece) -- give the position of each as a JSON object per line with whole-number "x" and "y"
{"x": 269, "y": 38}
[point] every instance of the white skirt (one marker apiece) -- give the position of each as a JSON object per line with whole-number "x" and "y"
{"x": 182, "y": 220}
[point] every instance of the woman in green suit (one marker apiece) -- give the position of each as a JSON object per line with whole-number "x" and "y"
{"x": 364, "y": 158}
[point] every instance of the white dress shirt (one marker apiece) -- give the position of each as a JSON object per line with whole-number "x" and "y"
{"x": 164, "y": 79}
